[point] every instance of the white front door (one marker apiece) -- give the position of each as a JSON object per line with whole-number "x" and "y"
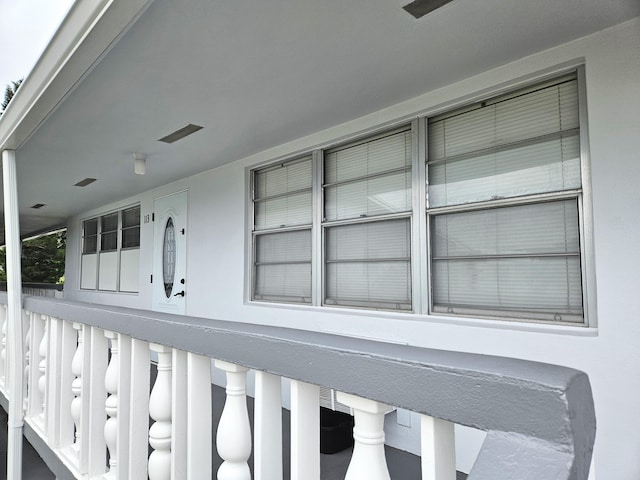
{"x": 170, "y": 253}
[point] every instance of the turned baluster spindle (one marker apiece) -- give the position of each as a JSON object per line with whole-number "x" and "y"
{"x": 27, "y": 359}
{"x": 160, "y": 411}
{"x": 368, "y": 460}
{"x": 42, "y": 366}
{"x": 3, "y": 347}
{"x": 76, "y": 385}
{"x": 111, "y": 404}
{"x": 233, "y": 437}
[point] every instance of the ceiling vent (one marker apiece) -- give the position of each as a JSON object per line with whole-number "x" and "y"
{"x": 419, "y": 8}
{"x": 38, "y": 205}
{"x": 181, "y": 133}
{"x": 85, "y": 182}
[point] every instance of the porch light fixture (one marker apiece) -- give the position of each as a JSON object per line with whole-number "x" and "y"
{"x": 419, "y": 8}
{"x": 85, "y": 182}
{"x": 139, "y": 163}
{"x": 181, "y": 133}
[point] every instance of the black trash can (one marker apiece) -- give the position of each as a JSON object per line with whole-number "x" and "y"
{"x": 336, "y": 431}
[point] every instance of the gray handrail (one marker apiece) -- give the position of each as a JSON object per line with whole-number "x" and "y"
{"x": 539, "y": 418}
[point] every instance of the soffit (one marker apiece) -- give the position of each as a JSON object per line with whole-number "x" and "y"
{"x": 258, "y": 74}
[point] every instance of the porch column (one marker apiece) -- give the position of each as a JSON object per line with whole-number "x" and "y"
{"x": 14, "y": 315}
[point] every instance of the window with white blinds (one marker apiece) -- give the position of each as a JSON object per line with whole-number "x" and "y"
{"x": 504, "y": 193}
{"x": 504, "y": 224}
{"x": 367, "y": 227}
{"x": 282, "y": 204}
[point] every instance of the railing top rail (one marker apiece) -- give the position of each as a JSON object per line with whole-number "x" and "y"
{"x": 538, "y": 416}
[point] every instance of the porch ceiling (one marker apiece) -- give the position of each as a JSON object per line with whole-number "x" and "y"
{"x": 256, "y": 74}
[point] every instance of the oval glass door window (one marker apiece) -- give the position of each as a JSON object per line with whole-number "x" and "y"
{"x": 169, "y": 257}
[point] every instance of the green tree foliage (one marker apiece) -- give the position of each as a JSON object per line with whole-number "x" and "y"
{"x": 42, "y": 258}
{"x": 9, "y": 92}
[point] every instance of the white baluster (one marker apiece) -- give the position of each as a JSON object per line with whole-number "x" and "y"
{"x": 3, "y": 348}
{"x": 267, "y": 456}
{"x": 26, "y": 317}
{"x": 368, "y": 460}
{"x": 305, "y": 431}
{"x": 111, "y": 405}
{"x": 438, "y": 449}
{"x": 233, "y": 438}
{"x": 42, "y": 368}
{"x": 76, "y": 385}
{"x": 160, "y": 411}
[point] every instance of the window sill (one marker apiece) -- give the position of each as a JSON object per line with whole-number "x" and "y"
{"x": 580, "y": 330}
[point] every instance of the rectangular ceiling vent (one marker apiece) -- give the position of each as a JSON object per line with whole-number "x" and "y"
{"x": 181, "y": 133}
{"x": 38, "y": 205}
{"x": 85, "y": 182}
{"x": 419, "y": 8}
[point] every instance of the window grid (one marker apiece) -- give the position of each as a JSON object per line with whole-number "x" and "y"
{"x": 328, "y": 219}
{"x": 117, "y": 231}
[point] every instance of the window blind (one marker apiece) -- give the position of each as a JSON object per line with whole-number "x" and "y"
{"x": 524, "y": 144}
{"x": 525, "y": 259}
{"x": 283, "y": 266}
{"x": 369, "y": 264}
{"x": 282, "y": 195}
{"x": 369, "y": 178}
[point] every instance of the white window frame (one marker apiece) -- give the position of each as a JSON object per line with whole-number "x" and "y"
{"x": 420, "y": 229}
{"x": 118, "y": 250}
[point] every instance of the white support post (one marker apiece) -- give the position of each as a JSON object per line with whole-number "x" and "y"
{"x": 14, "y": 314}
{"x": 137, "y": 406}
{"x": 368, "y": 460}
{"x": 160, "y": 412}
{"x": 233, "y": 438}
{"x": 305, "y": 431}
{"x": 267, "y": 456}
{"x": 199, "y": 422}
{"x": 438, "y": 449}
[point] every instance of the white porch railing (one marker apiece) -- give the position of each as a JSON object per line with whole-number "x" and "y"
{"x": 88, "y": 398}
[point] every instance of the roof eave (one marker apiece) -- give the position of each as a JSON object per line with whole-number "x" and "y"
{"x": 86, "y": 34}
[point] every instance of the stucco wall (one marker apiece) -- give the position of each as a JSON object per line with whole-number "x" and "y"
{"x": 610, "y": 353}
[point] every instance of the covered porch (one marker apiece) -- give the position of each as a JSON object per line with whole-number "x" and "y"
{"x": 88, "y": 378}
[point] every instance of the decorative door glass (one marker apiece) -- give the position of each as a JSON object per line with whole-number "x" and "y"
{"x": 169, "y": 257}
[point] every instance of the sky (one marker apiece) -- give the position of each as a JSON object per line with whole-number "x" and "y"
{"x": 26, "y": 26}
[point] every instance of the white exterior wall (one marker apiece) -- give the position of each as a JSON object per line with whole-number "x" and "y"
{"x": 610, "y": 353}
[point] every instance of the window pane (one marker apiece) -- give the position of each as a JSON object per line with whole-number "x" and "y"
{"x": 369, "y": 264}
{"x": 539, "y": 287}
{"x": 90, "y": 227}
{"x": 369, "y": 197}
{"x": 371, "y": 178}
{"x": 283, "y": 266}
{"x": 287, "y": 211}
{"x": 289, "y": 177}
{"x": 510, "y": 261}
{"x": 545, "y": 228}
{"x": 524, "y": 145}
{"x": 109, "y": 222}
{"x": 369, "y": 158}
{"x": 90, "y": 244}
{"x": 109, "y": 241}
{"x": 131, "y": 217}
{"x": 131, "y": 237}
